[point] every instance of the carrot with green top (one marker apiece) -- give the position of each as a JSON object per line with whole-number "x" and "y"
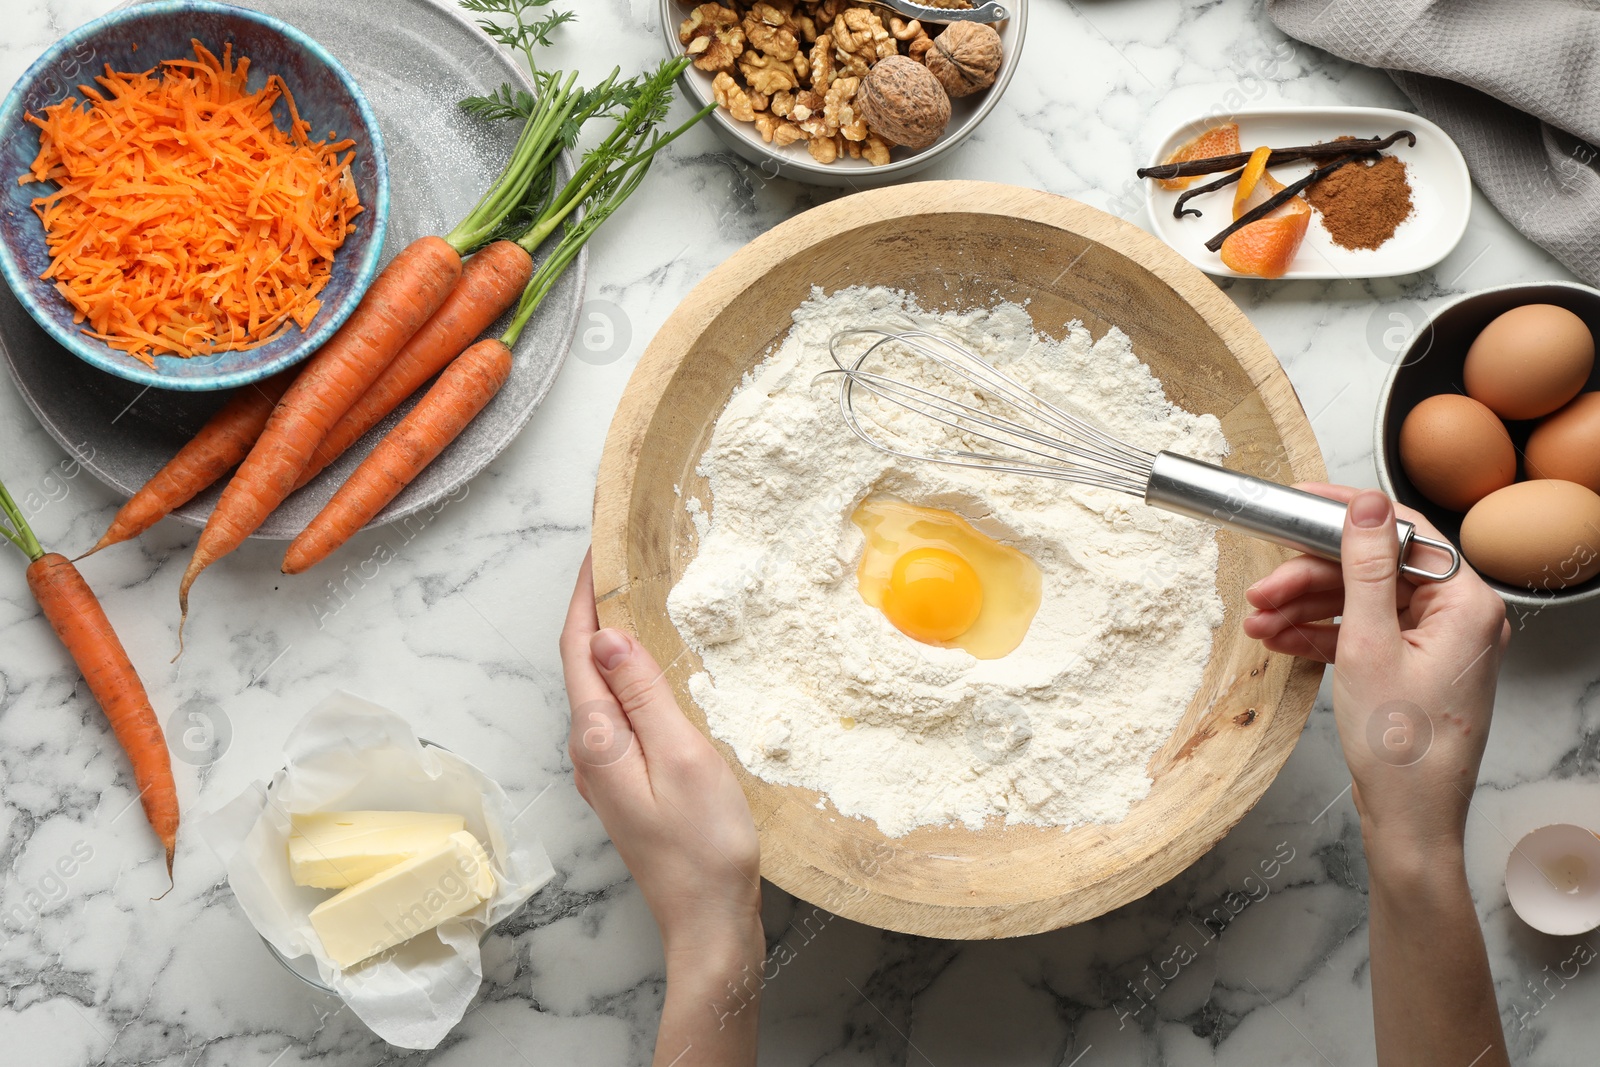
{"x": 81, "y": 624}
{"x": 502, "y": 274}
{"x": 495, "y": 277}
{"x": 607, "y": 176}
{"x": 405, "y": 294}
{"x": 221, "y": 445}
{"x": 490, "y": 283}
{"x": 465, "y": 387}
{"x": 404, "y": 297}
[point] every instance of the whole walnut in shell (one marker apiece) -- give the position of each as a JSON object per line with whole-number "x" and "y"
{"x": 965, "y": 57}
{"x": 903, "y": 103}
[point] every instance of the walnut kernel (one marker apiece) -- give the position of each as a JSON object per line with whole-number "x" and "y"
{"x": 767, "y": 75}
{"x": 713, "y": 35}
{"x": 913, "y": 35}
{"x": 810, "y": 114}
{"x": 731, "y": 95}
{"x": 875, "y": 150}
{"x": 859, "y": 32}
{"x": 774, "y": 40}
{"x": 902, "y": 30}
{"x": 838, "y": 108}
{"x": 822, "y": 65}
{"x": 823, "y": 149}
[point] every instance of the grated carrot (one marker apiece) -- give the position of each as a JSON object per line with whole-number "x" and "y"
{"x": 184, "y": 221}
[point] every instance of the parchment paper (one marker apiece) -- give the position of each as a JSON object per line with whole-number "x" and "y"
{"x": 348, "y": 754}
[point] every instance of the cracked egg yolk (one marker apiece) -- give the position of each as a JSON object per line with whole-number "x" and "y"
{"x": 940, "y": 581}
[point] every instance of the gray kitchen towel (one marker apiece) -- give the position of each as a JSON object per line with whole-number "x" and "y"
{"x": 1516, "y": 83}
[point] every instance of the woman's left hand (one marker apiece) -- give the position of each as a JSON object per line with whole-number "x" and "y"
{"x": 681, "y": 824}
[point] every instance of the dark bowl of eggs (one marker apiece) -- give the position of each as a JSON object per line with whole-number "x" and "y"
{"x": 1490, "y": 426}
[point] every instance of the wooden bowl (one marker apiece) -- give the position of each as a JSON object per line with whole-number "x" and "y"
{"x": 964, "y": 244}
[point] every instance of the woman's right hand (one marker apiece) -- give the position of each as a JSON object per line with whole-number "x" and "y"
{"x": 1414, "y": 670}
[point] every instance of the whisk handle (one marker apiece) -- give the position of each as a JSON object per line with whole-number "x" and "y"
{"x": 1277, "y": 513}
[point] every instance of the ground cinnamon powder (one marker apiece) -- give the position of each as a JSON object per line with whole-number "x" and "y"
{"x": 1362, "y": 203}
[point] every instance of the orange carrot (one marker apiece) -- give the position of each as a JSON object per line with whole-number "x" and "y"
{"x": 184, "y": 221}
{"x": 403, "y": 297}
{"x": 490, "y": 283}
{"x": 220, "y": 445}
{"x": 444, "y": 411}
{"x": 81, "y": 624}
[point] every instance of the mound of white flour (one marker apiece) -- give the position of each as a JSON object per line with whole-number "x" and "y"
{"x": 813, "y": 687}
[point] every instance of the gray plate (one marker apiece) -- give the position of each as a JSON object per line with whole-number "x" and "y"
{"x": 414, "y": 59}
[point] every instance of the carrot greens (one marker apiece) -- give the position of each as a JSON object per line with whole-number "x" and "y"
{"x": 524, "y": 34}
{"x": 605, "y": 178}
{"x": 16, "y": 529}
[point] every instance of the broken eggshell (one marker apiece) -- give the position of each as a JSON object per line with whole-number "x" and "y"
{"x": 1553, "y": 879}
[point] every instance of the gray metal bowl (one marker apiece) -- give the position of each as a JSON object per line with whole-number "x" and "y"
{"x": 1432, "y": 364}
{"x": 796, "y": 163}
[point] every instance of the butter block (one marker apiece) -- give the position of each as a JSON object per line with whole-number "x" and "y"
{"x": 337, "y": 849}
{"x": 408, "y": 899}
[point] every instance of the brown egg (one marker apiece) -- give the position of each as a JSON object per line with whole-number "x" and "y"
{"x": 1456, "y": 451}
{"x": 1566, "y": 445}
{"x": 1543, "y": 534}
{"x": 1530, "y": 361}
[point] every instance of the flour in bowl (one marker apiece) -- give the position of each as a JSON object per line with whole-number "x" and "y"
{"x": 812, "y": 687}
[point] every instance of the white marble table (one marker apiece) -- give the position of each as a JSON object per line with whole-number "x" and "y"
{"x": 458, "y": 632}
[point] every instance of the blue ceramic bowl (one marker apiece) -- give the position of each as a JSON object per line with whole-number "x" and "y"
{"x": 327, "y": 98}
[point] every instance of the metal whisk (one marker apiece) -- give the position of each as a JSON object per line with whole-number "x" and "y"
{"x": 1020, "y": 432}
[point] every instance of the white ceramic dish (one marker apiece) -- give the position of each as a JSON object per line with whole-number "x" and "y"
{"x": 1441, "y": 191}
